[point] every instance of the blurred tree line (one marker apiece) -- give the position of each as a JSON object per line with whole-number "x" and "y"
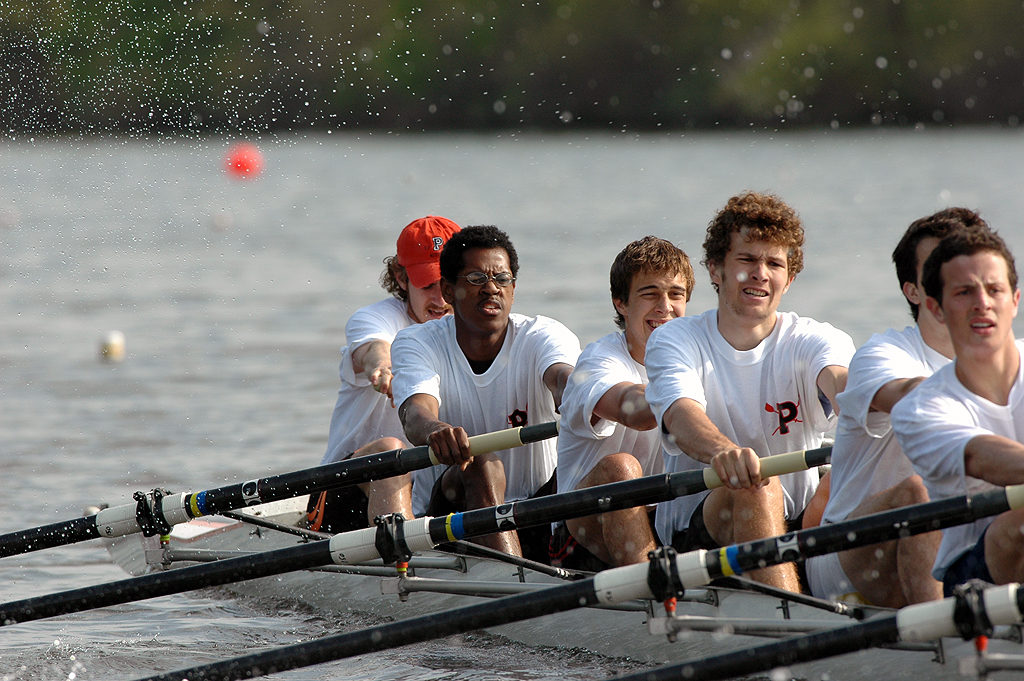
{"x": 264, "y": 65}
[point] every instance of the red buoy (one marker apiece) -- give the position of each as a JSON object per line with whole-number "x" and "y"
{"x": 243, "y": 160}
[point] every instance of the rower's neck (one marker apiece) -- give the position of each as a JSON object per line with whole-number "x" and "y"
{"x": 480, "y": 350}
{"x": 991, "y": 375}
{"x": 934, "y": 333}
{"x": 745, "y": 333}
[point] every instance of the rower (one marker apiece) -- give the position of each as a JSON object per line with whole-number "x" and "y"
{"x": 962, "y": 428}
{"x": 365, "y": 421}
{"x": 608, "y": 431}
{"x": 484, "y": 368}
{"x": 744, "y": 381}
{"x": 870, "y": 473}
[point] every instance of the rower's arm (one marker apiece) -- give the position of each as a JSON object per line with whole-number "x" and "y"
{"x": 692, "y": 431}
{"x": 688, "y": 425}
{"x": 626, "y": 403}
{"x": 994, "y": 459}
{"x": 373, "y": 359}
{"x": 832, "y": 381}
{"x": 555, "y": 378}
{"x": 892, "y": 392}
{"x": 419, "y": 415}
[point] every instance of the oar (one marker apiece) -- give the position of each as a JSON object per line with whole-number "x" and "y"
{"x": 393, "y": 540}
{"x": 664, "y": 576}
{"x": 969, "y": 614}
{"x": 158, "y": 511}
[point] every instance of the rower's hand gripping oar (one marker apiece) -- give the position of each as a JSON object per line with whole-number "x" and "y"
{"x": 158, "y": 511}
{"x": 392, "y": 539}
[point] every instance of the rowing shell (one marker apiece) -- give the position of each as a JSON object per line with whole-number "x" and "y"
{"x": 708, "y": 620}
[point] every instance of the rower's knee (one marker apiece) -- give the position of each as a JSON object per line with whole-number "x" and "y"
{"x": 614, "y": 468}
{"x": 910, "y": 491}
{"x": 484, "y": 481}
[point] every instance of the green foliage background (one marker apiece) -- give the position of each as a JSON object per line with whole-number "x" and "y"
{"x": 259, "y": 65}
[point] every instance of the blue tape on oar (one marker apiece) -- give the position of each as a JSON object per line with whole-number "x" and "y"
{"x": 453, "y": 525}
{"x": 201, "y": 502}
{"x": 731, "y": 553}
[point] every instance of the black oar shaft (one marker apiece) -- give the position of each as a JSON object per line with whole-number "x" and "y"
{"x": 48, "y": 536}
{"x": 168, "y": 582}
{"x": 869, "y": 529}
{"x": 404, "y": 632}
{"x": 603, "y": 498}
{"x": 353, "y": 471}
{"x": 158, "y": 512}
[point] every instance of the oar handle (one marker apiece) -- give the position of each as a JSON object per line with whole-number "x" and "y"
{"x": 779, "y": 464}
{"x": 507, "y": 439}
{"x": 1015, "y": 496}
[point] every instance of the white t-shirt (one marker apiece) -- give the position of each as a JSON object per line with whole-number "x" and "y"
{"x": 427, "y": 360}
{"x": 934, "y": 423}
{"x": 361, "y": 414}
{"x": 866, "y": 458}
{"x": 581, "y": 445}
{"x": 765, "y": 398}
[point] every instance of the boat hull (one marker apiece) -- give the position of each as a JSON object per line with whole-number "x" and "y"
{"x": 622, "y": 633}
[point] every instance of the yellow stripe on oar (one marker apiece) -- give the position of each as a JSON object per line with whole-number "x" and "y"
{"x": 448, "y": 527}
{"x": 192, "y": 502}
{"x": 723, "y": 563}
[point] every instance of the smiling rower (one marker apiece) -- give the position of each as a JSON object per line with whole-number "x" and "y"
{"x": 608, "y": 431}
{"x": 745, "y": 381}
{"x": 483, "y": 369}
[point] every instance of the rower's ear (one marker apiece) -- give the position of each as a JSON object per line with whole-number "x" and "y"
{"x": 912, "y": 293}
{"x": 447, "y": 292}
{"x": 933, "y": 307}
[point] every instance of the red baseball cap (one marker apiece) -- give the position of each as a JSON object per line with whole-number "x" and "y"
{"x": 419, "y": 248}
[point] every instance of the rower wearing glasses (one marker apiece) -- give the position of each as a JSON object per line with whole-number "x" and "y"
{"x": 963, "y": 427}
{"x": 608, "y": 431}
{"x": 483, "y": 369}
{"x": 365, "y": 420}
{"x": 744, "y": 381}
{"x": 870, "y": 473}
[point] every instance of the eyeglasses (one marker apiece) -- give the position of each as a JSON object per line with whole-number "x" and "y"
{"x": 501, "y": 279}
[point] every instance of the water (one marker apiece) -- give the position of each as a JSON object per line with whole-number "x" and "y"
{"x": 233, "y": 297}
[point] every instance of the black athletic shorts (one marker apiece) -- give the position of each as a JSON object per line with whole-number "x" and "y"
{"x": 338, "y": 510}
{"x": 970, "y": 565}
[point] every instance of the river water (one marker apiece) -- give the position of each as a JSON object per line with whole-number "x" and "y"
{"x": 233, "y": 296}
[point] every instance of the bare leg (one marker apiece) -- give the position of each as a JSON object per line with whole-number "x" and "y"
{"x": 390, "y": 495}
{"x": 1003, "y": 552}
{"x": 872, "y": 568}
{"x": 737, "y": 516}
{"x": 617, "y": 537}
{"x": 816, "y": 506}
{"x": 481, "y": 484}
